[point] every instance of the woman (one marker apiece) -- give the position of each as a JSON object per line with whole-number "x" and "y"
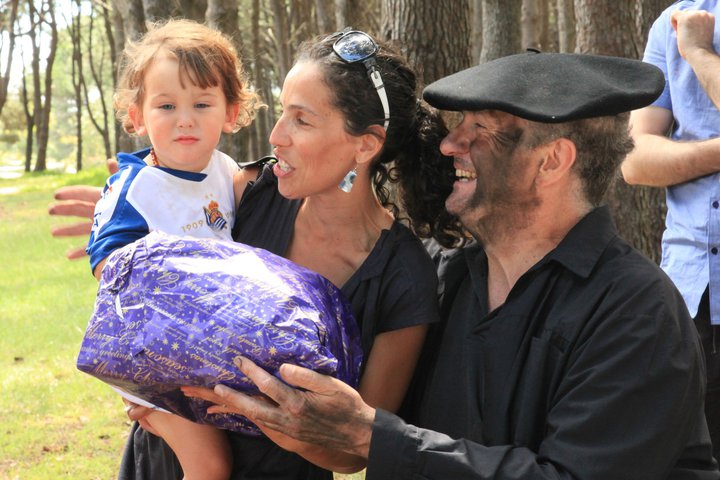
{"x": 352, "y": 131}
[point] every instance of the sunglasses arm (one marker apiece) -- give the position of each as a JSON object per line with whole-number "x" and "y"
{"x": 377, "y": 81}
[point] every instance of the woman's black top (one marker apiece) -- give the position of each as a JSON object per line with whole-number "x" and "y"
{"x": 396, "y": 287}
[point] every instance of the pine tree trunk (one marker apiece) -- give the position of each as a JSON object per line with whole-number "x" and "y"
{"x": 223, "y": 15}
{"x": 281, "y": 30}
{"x": 193, "y": 9}
{"x": 43, "y": 124}
{"x": 477, "y": 30}
{"x": 566, "y": 26}
{"x": 8, "y": 52}
{"x": 325, "y": 14}
{"x": 534, "y": 24}
{"x": 501, "y": 29}
{"x": 261, "y": 73}
{"x": 420, "y": 27}
{"x": 607, "y": 27}
{"x": 155, "y": 10}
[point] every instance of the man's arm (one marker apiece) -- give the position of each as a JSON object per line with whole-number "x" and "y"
{"x": 324, "y": 411}
{"x": 694, "y": 37}
{"x": 633, "y": 387}
{"x": 657, "y": 160}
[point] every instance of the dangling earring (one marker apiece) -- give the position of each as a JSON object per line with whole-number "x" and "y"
{"x": 347, "y": 182}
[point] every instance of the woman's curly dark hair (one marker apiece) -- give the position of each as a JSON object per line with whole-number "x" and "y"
{"x": 410, "y": 159}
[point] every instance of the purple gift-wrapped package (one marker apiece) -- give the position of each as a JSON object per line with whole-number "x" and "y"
{"x": 174, "y": 311}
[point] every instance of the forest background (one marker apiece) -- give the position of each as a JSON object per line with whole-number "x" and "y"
{"x": 58, "y": 64}
{"x": 57, "y": 74}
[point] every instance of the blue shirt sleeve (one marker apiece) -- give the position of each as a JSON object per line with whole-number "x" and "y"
{"x": 116, "y": 222}
{"x": 656, "y": 54}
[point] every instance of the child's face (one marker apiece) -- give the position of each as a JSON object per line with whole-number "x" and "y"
{"x": 183, "y": 124}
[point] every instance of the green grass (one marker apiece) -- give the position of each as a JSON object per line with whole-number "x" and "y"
{"x": 55, "y": 422}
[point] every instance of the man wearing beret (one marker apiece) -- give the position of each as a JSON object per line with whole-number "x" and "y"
{"x": 682, "y": 44}
{"x": 565, "y": 354}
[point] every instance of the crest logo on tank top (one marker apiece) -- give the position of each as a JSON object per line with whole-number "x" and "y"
{"x": 214, "y": 216}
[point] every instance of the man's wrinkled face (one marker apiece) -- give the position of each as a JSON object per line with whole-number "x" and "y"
{"x": 494, "y": 190}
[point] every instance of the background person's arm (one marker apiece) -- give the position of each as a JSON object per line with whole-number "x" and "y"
{"x": 77, "y": 201}
{"x": 659, "y": 161}
{"x": 694, "y": 37}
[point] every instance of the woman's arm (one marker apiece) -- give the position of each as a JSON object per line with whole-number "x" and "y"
{"x": 390, "y": 367}
{"x": 241, "y": 180}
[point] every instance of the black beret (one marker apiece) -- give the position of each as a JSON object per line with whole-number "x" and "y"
{"x": 550, "y": 87}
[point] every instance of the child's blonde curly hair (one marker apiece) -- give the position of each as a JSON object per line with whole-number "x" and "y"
{"x": 207, "y": 59}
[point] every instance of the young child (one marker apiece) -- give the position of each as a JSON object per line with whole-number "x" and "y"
{"x": 182, "y": 86}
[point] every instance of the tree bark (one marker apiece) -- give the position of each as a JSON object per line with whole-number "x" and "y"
{"x": 281, "y": 29}
{"x": 302, "y": 19}
{"x": 7, "y": 52}
{"x": 607, "y": 27}
{"x": 325, "y": 16}
{"x": 551, "y": 44}
{"x": 501, "y": 29}
{"x": 223, "y": 15}
{"x": 361, "y": 15}
{"x": 420, "y": 28}
{"x": 265, "y": 118}
{"x": 76, "y": 74}
{"x": 477, "y": 30}
{"x": 133, "y": 22}
{"x": 133, "y": 19}
{"x": 155, "y": 10}
{"x": 33, "y": 33}
{"x": 101, "y": 124}
{"x": 341, "y": 14}
{"x": 193, "y": 9}
{"x": 43, "y": 124}
{"x": 29, "y": 120}
{"x": 534, "y": 24}
{"x": 646, "y": 11}
{"x": 115, "y": 33}
{"x": 566, "y": 26}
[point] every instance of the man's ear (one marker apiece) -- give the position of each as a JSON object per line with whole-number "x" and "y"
{"x": 231, "y": 116}
{"x": 136, "y": 117}
{"x": 370, "y": 144}
{"x": 558, "y": 157}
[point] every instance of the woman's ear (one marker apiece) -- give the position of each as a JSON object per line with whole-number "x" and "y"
{"x": 558, "y": 157}
{"x": 136, "y": 117}
{"x": 370, "y": 144}
{"x": 231, "y": 116}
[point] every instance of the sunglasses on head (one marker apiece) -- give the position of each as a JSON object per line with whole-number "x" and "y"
{"x": 354, "y": 46}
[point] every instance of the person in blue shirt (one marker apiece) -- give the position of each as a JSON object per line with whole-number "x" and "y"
{"x": 683, "y": 44}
